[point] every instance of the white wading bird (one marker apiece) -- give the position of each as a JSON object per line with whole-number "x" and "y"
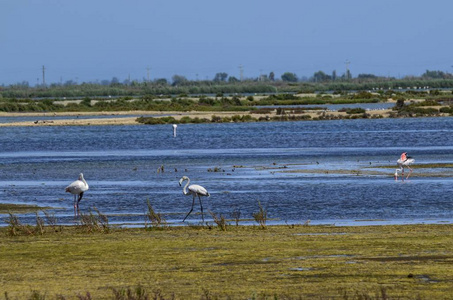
{"x": 194, "y": 190}
{"x": 78, "y": 187}
{"x": 402, "y": 164}
{"x": 174, "y": 129}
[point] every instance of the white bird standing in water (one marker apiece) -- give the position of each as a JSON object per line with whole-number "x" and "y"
{"x": 174, "y": 130}
{"x": 78, "y": 187}
{"x": 194, "y": 190}
{"x": 402, "y": 163}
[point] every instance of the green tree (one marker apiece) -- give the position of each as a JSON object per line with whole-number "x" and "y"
{"x": 271, "y": 76}
{"x": 435, "y": 74}
{"x": 399, "y": 104}
{"x": 320, "y": 76}
{"x": 289, "y": 77}
{"x": 161, "y": 81}
{"x": 114, "y": 81}
{"x": 178, "y": 79}
{"x": 232, "y": 79}
{"x": 366, "y": 76}
{"x": 220, "y": 77}
{"x": 86, "y": 102}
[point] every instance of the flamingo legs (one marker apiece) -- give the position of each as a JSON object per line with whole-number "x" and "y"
{"x": 76, "y": 204}
{"x": 410, "y": 172}
{"x": 193, "y": 203}
{"x": 402, "y": 173}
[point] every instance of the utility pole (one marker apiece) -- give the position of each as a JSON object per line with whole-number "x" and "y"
{"x": 43, "y": 76}
{"x": 147, "y": 72}
{"x": 241, "y": 72}
{"x": 347, "y": 62}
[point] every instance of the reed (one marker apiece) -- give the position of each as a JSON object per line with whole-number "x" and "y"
{"x": 39, "y": 225}
{"x": 94, "y": 222}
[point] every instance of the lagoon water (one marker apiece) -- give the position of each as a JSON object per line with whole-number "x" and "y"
{"x": 329, "y": 172}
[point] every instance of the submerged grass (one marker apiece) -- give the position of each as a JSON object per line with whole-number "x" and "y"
{"x": 19, "y": 208}
{"x": 281, "y": 262}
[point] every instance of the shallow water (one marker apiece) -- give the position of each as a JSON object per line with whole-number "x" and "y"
{"x": 290, "y": 167}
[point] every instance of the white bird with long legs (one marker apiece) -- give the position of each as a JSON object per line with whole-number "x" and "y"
{"x": 174, "y": 129}
{"x": 404, "y": 161}
{"x": 194, "y": 190}
{"x": 77, "y": 188}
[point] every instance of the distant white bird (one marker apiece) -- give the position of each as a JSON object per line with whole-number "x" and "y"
{"x": 174, "y": 129}
{"x": 78, "y": 187}
{"x": 194, "y": 190}
{"x": 402, "y": 164}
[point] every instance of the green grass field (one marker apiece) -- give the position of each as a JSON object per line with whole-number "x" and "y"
{"x": 244, "y": 262}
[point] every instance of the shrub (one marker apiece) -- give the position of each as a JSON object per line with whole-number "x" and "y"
{"x": 219, "y": 220}
{"x": 185, "y": 120}
{"x": 261, "y": 216}
{"x": 156, "y": 219}
{"x": 355, "y": 111}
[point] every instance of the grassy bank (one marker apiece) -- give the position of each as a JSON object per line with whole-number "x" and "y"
{"x": 244, "y": 262}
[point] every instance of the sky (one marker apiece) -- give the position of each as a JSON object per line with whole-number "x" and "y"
{"x": 95, "y": 40}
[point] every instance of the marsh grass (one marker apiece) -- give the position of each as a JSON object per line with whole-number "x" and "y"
{"x": 87, "y": 296}
{"x": 156, "y": 219}
{"x": 15, "y": 227}
{"x": 236, "y": 215}
{"x": 421, "y": 166}
{"x": 36, "y": 295}
{"x": 39, "y": 225}
{"x": 52, "y": 221}
{"x": 244, "y": 262}
{"x": 139, "y": 293}
{"x": 94, "y": 222}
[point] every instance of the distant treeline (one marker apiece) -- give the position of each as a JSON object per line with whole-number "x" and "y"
{"x": 23, "y": 91}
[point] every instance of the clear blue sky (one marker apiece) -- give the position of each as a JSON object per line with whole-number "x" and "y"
{"x": 89, "y": 40}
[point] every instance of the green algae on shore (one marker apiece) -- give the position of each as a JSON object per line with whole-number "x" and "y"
{"x": 279, "y": 262}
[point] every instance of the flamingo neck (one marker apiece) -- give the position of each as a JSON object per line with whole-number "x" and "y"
{"x": 185, "y": 192}
{"x": 84, "y": 182}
